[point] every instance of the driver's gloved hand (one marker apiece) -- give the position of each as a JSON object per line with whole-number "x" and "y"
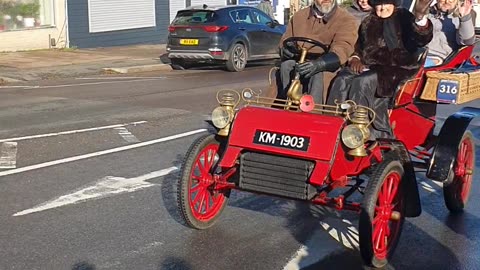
{"x": 287, "y": 52}
{"x": 327, "y": 62}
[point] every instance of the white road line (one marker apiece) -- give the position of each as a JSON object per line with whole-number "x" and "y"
{"x": 70, "y": 132}
{"x": 85, "y": 84}
{"x": 8, "y": 155}
{"x": 12, "y": 86}
{"x": 426, "y": 186}
{"x": 116, "y": 78}
{"x": 106, "y": 186}
{"x": 100, "y": 153}
{"x": 127, "y": 135}
{"x": 439, "y": 184}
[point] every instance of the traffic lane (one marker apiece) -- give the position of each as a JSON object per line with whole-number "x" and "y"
{"x": 79, "y": 104}
{"x": 25, "y": 187}
{"x": 72, "y": 143}
{"x": 123, "y": 229}
{"x": 262, "y": 205}
{"x": 141, "y": 84}
{"x": 133, "y": 232}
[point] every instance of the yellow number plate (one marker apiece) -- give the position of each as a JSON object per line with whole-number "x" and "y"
{"x": 189, "y": 41}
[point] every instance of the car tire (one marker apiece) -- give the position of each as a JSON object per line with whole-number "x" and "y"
{"x": 237, "y": 59}
{"x": 456, "y": 191}
{"x": 384, "y": 195}
{"x": 200, "y": 205}
{"x": 179, "y": 64}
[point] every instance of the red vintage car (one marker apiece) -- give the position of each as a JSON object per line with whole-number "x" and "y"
{"x": 303, "y": 151}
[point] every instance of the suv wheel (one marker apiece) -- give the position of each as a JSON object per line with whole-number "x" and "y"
{"x": 238, "y": 58}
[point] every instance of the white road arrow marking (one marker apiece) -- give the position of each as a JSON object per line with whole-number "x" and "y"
{"x": 106, "y": 186}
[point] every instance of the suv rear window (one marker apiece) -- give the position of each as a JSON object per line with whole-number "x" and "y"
{"x": 194, "y": 17}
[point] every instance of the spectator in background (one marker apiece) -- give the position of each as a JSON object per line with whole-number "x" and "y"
{"x": 453, "y": 26}
{"x": 266, "y": 7}
{"x": 360, "y": 9}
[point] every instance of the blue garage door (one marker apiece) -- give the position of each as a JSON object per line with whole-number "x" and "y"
{"x": 81, "y": 37}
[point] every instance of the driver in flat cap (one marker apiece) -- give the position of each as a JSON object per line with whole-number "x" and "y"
{"x": 325, "y": 22}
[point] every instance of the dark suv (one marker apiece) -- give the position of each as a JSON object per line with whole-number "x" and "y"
{"x": 231, "y": 35}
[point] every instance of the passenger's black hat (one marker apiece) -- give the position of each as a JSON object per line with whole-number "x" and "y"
{"x": 374, "y": 3}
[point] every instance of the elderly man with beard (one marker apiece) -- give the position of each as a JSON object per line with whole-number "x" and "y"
{"x": 329, "y": 24}
{"x": 385, "y": 54}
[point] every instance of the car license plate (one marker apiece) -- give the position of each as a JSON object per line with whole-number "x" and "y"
{"x": 447, "y": 91}
{"x": 281, "y": 140}
{"x": 189, "y": 41}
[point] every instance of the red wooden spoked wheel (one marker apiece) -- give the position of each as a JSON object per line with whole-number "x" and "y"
{"x": 199, "y": 203}
{"x": 457, "y": 189}
{"x": 383, "y": 213}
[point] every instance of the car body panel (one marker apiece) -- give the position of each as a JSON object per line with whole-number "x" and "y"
{"x": 243, "y": 24}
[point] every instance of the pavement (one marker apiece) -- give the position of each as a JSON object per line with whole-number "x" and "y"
{"x": 65, "y": 63}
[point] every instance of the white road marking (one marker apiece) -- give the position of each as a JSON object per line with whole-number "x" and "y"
{"x": 70, "y": 132}
{"x": 439, "y": 184}
{"x": 100, "y": 153}
{"x": 8, "y": 155}
{"x": 116, "y": 78}
{"x": 106, "y": 186}
{"x": 127, "y": 135}
{"x": 85, "y": 84}
{"x": 426, "y": 186}
{"x": 12, "y": 86}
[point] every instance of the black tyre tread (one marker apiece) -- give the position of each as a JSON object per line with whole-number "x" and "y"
{"x": 452, "y": 203}
{"x": 229, "y": 64}
{"x": 182, "y": 186}
{"x": 377, "y": 178}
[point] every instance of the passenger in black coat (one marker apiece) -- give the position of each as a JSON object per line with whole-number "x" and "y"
{"x": 385, "y": 54}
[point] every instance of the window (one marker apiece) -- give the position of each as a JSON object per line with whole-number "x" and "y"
{"x": 25, "y": 14}
{"x": 194, "y": 17}
{"x": 261, "y": 18}
{"x": 241, "y": 16}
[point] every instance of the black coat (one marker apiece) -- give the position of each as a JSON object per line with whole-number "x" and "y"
{"x": 389, "y": 46}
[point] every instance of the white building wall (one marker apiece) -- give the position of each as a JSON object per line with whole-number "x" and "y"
{"x": 175, "y": 6}
{"x": 209, "y": 2}
{"x": 33, "y": 39}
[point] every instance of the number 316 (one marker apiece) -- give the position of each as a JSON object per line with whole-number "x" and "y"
{"x": 448, "y": 89}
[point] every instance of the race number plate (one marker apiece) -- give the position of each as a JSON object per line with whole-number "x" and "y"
{"x": 447, "y": 91}
{"x": 281, "y": 140}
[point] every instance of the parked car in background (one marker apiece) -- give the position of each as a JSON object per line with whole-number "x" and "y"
{"x": 229, "y": 35}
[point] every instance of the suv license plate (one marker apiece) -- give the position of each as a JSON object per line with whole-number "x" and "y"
{"x": 281, "y": 140}
{"x": 189, "y": 41}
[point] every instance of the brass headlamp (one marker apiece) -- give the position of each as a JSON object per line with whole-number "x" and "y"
{"x": 222, "y": 116}
{"x": 357, "y": 133}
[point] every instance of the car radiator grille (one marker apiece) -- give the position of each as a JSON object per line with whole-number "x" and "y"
{"x": 276, "y": 175}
